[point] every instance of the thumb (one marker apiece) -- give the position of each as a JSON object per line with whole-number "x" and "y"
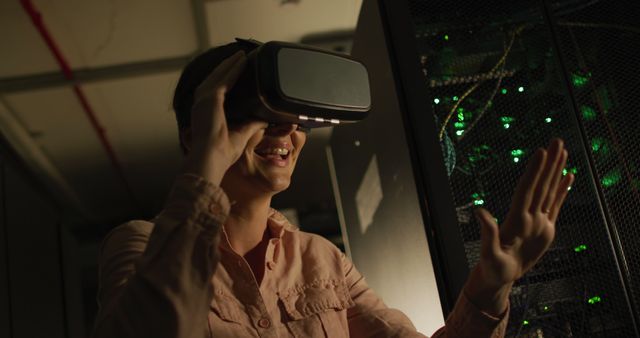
{"x": 489, "y": 232}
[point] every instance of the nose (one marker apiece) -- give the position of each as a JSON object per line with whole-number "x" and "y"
{"x": 283, "y": 129}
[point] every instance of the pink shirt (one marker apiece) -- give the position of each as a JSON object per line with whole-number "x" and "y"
{"x": 177, "y": 276}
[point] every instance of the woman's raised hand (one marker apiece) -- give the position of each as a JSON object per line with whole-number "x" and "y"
{"x": 214, "y": 147}
{"x": 509, "y": 251}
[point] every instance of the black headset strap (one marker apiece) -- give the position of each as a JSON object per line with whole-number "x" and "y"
{"x": 249, "y": 44}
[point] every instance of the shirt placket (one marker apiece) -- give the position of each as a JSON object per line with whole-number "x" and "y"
{"x": 253, "y": 299}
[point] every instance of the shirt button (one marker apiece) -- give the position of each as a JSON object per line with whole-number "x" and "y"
{"x": 264, "y": 323}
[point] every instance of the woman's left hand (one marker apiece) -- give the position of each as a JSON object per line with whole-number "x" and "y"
{"x": 509, "y": 251}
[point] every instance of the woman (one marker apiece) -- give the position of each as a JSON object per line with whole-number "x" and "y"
{"x": 208, "y": 267}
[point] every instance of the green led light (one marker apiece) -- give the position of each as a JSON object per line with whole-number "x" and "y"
{"x": 517, "y": 152}
{"x": 579, "y": 80}
{"x": 548, "y": 120}
{"x": 580, "y": 248}
{"x": 594, "y": 300}
{"x": 504, "y": 90}
{"x": 455, "y": 98}
{"x": 436, "y": 100}
{"x": 588, "y": 113}
{"x": 459, "y": 125}
{"x": 520, "y": 89}
{"x": 599, "y": 145}
{"x": 477, "y": 198}
{"x": 446, "y": 37}
{"x": 506, "y": 121}
{"x": 459, "y": 132}
{"x": 525, "y": 322}
{"x": 573, "y": 170}
{"x": 545, "y": 308}
{"x": 596, "y": 144}
{"x": 479, "y": 153}
{"x": 611, "y": 178}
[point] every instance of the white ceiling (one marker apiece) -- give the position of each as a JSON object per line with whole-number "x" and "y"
{"x": 49, "y": 126}
{"x": 266, "y": 20}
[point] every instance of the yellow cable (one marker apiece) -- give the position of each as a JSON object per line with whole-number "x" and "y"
{"x": 477, "y": 84}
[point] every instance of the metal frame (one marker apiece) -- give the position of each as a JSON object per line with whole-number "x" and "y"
{"x": 611, "y": 228}
{"x": 448, "y": 252}
{"x": 446, "y": 244}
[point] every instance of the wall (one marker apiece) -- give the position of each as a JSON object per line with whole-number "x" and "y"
{"x": 32, "y": 278}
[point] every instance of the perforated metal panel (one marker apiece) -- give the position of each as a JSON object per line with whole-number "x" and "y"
{"x": 499, "y": 91}
{"x": 599, "y": 45}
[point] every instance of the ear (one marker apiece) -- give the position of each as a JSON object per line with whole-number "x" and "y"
{"x": 185, "y": 139}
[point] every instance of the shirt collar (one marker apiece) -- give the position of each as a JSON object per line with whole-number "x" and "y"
{"x": 277, "y": 224}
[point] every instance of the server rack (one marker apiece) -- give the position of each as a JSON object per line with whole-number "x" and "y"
{"x": 464, "y": 92}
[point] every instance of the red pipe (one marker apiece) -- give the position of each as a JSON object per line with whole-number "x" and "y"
{"x": 36, "y": 18}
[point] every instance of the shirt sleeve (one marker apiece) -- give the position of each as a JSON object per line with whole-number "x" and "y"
{"x": 370, "y": 317}
{"x": 466, "y": 320}
{"x": 155, "y": 279}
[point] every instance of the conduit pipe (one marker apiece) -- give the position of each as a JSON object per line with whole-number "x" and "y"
{"x": 36, "y": 18}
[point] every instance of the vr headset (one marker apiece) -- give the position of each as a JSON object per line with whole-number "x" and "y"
{"x": 292, "y": 83}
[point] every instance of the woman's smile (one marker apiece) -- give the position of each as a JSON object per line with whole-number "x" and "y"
{"x": 275, "y": 153}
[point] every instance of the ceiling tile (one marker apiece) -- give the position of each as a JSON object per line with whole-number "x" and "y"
{"x": 23, "y": 50}
{"x": 97, "y": 33}
{"x": 267, "y": 20}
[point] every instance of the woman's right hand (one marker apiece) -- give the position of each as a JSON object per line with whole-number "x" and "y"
{"x": 213, "y": 146}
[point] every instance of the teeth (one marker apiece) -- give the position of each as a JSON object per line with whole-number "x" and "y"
{"x": 280, "y": 151}
{"x": 274, "y": 151}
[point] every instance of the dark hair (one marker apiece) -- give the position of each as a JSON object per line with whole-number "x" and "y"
{"x": 197, "y": 71}
{"x": 192, "y": 76}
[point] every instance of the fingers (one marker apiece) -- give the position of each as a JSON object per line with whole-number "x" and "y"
{"x": 219, "y": 73}
{"x": 230, "y": 79}
{"x": 561, "y": 193}
{"x": 556, "y": 176}
{"x": 525, "y": 190}
{"x": 489, "y": 232}
{"x": 548, "y": 174}
{"x": 234, "y": 72}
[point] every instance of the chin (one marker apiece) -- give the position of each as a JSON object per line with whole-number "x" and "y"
{"x": 249, "y": 176}
{"x": 277, "y": 185}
